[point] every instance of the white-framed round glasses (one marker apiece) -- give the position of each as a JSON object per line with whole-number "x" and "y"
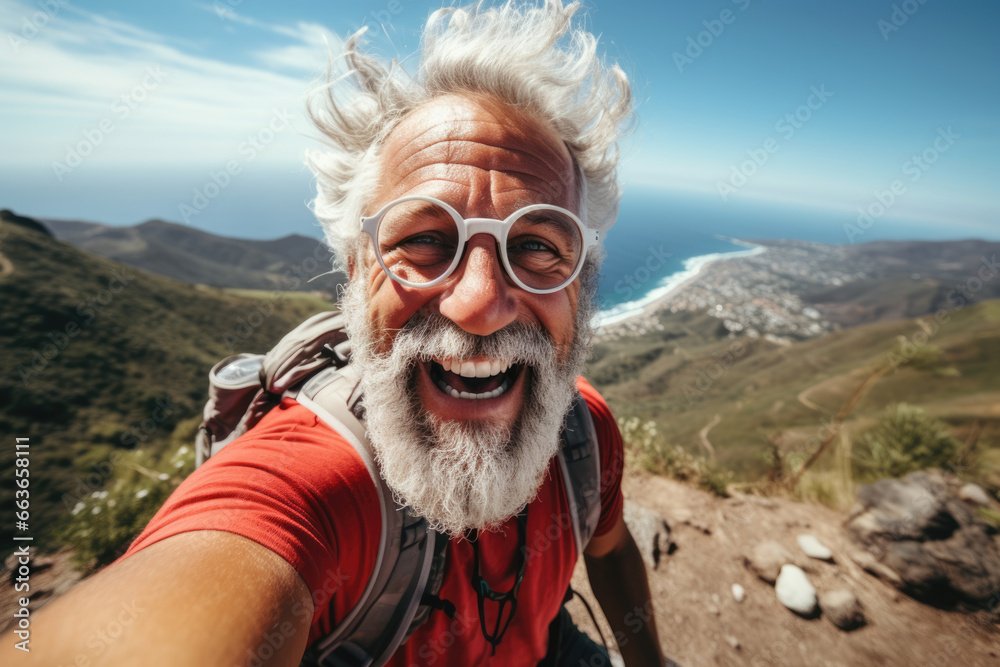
{"x": 420, "y": 240}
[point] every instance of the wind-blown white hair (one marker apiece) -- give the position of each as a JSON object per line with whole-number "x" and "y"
{"x": 527, "y": 56}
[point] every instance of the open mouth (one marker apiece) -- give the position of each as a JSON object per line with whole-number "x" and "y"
{"x": 474, "y": 380}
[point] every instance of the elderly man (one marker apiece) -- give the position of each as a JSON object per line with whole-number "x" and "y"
{"x": 466, "y": 207}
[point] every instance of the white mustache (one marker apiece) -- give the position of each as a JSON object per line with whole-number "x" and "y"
{"x": 425, "y": 337}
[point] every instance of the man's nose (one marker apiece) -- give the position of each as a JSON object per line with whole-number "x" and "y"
{"x": 481, "y": 299}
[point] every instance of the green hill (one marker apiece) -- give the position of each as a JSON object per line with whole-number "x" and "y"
{"x": 738, "y": 398}
{"x": 99, "y": 356}
{"x": 194, "y": 256}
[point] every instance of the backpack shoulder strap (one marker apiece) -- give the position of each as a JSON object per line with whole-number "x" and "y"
{"x": 580, "y": 461}
{"x": 383, "y": 617}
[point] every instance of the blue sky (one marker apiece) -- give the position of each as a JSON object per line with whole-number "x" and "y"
{"x": 164, "y": 95}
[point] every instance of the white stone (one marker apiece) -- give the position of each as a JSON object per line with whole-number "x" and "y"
{"x": 794, "y": 590}
{"x": 814, "y": 548}
{"x": 738, "y": 593}
{"x": 975, "y": 494}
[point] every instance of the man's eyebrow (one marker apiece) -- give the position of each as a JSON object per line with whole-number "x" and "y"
{"x": 421, "y": 207}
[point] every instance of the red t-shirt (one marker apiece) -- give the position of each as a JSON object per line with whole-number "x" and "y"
{"x": 296, "y": 487}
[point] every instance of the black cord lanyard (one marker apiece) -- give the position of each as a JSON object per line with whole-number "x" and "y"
{"x": 484, "y": 591}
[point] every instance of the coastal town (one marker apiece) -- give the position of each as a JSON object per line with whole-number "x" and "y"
{"x": 755, "y": 295}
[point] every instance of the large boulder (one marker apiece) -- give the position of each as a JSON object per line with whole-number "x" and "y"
{"x": 919, "y": 528}
{"x": 651, "y": 532}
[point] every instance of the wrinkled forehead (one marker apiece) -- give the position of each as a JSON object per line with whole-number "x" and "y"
{"x": 461, "y": 140}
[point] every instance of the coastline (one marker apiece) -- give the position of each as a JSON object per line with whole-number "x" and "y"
{"x": 672, "y": 285}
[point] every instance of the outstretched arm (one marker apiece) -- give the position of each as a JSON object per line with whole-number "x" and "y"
{"x": 198, "y": 598}
{"x": 617, "y": 575}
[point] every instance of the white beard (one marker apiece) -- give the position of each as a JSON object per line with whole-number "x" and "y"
{"x": 464, "y": 475}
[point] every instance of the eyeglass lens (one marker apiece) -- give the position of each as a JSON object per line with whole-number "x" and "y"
{"x": 418, "y": 240}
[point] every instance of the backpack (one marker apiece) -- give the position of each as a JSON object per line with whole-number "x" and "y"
{"x": 311, "y": 365}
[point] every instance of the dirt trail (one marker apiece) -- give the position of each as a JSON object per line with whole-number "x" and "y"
{"x": 804, "y": 400}
{"x": 6, "y": 266}
{"x": 703, "y": 435}
{"x": 697, "y": 627}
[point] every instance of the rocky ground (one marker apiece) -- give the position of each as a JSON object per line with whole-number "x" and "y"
{"x": 701, "y": 622}
{"x": 713, "y": 563}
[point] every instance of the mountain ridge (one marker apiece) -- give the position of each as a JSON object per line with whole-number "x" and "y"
{"x": 287, "y": 263}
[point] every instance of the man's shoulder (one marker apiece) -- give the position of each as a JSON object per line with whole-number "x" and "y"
{"x": 599, "y": 409}
{"x": 291, "y": 441}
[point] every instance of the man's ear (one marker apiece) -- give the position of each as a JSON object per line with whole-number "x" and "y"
{"x": 350, "y": 268}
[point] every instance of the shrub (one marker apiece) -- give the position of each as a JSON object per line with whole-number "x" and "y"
{"x": 905, "y": 440}
{"x": 713, "y": 478}
{"x": 101, "y": 525}
{"x": 651, "y": 452}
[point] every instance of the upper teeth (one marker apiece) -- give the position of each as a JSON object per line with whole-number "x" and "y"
{"x": 474, "y": 369}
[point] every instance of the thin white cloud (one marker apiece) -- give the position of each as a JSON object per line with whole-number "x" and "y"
{"x": 300, "y": 56}
{"x": 63, "y": 78}
{"x": 227, "y": 13}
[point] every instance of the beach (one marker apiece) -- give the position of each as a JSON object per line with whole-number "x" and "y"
{"x": 672, "y": 285}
